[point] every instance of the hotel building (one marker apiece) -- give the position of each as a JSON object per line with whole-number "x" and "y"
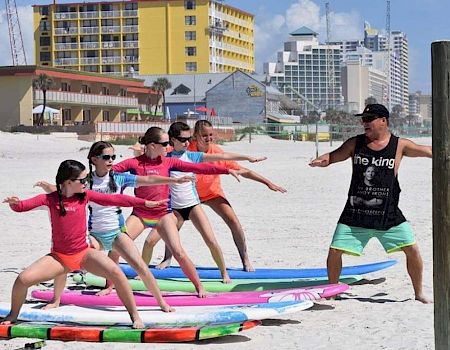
{"x": 144, "y": 37}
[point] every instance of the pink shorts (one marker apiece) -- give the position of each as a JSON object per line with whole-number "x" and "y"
{"x": 71, "y": 261}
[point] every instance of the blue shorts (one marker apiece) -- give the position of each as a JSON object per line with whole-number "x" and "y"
{"x": 352, "y": 240}
{"x": 106, "y": 239}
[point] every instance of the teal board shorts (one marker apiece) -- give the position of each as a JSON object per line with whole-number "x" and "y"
{"x": 352, "y": 239}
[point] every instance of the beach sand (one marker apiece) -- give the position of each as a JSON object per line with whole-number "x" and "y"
{"x": 283, "y": 230}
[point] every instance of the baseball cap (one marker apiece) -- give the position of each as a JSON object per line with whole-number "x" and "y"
{"x": 374, "y": 110}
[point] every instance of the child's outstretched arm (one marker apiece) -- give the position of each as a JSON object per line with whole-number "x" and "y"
{"x": 161, "y": 180}
{"x": 47, "y": 187}
{"x": 231, "y": 156}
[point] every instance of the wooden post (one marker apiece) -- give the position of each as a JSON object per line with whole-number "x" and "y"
{"x": 440, "y": 66}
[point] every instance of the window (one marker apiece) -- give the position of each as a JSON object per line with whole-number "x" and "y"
{"x": 67, "y": 115}
{"x": 44, "y": 26}
{"x": 123, "y": 116}
{"x": 191, "y": 51}
{"x": 123, "y": 92}
{"x": 189, "y": 4}
{"x": 190, "y": 35}
{"x": 44, "y": 10}
{"x": 65, "y": 86}
{"x": 105, "y": 90}
{"x": 86, "y": 89}
{"x": 86, "y": 116}
{"x": 105, "y": 115}
{"x": 44, "y": 40}
{"x": 44, "y": 56}
{"x": 190, "y": 20}
{"x": 191, "y": 66}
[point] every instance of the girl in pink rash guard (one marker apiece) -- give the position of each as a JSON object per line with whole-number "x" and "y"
{"x": 155, "y": 162}
{"x": 70, "y": 250}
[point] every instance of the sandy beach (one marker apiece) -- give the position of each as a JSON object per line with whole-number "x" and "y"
{"x": 283, "y": 230}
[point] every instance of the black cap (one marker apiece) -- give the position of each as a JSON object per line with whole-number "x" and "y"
{"x": 374, "y": 110}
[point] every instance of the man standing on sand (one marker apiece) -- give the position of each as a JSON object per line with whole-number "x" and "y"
{"x": 377, "y": 147}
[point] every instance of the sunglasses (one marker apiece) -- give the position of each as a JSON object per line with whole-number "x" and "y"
{"x": 107, "y": 156}
{"x": 369, "y": 119}
{"x": 183, "y": 139}
{"x": 82, "y": 181}
{"x": 164, "y": 144}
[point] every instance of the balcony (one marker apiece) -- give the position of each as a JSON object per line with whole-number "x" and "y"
{"x": 65, "y": 15}
{"x": 89, "y": 60}
{"x": 66, "y": 46}
{"x": 112, "y": 60}
{"x": 66, "y": 61}
{"x": 130, "y": 29}
{"x": 90, "y": 45}
{"x": 89, "y": 14}
{"x": 131, "y": 44}
{"x": 111, "y": 29}
{"x": 129, "y": 13}
{"x": 76, "y": 98}
{"x": 89, "y": 30}
{"x": 66, "y": 31}
{"x": 110, "y": 44}
{"x": 131, "y": 59}
{"x": 110, "y": 14}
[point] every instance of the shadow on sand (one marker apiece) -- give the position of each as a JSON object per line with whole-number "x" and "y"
{"x": 229, "y": 339}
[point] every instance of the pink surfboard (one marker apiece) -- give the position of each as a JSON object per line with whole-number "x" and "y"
{"x": 88, "y": 298}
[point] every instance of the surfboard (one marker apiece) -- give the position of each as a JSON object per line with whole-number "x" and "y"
{"x": 237, "y": 273}
{"x": 154, "y": 317}
{"x": 214, "y": 286}
{"x": 61, "y": 332}
{"x": 88, "y": 298}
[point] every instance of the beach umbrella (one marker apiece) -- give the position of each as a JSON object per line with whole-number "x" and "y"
{"x": 203, "y": 109}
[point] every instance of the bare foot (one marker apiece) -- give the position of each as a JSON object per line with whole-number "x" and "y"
{"x": 138, "y": 324}
{"x": 201, "y": 292}
{"x": 105, "y": 291}
{"x": 423, "y": 299}
{"x": 8, "y": 320}
{"x": 248, "y": 266}
{"x": 226, "y": 279}
{"x": 163, "y": 264}
{"x": 167, "y": 308}
{"x": 49, "y": 306}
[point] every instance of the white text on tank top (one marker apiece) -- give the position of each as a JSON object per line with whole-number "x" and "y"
{"x": 184, "y": 195}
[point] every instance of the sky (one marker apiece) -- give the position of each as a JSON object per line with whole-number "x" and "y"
{"x": 423, "y": 21}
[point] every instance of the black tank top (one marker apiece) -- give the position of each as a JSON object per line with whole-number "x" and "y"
{"x": 374, "y": 190}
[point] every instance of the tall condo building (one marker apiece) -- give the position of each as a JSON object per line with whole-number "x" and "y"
{"x": 144, "y": 37}
{"x": 307, "y": 72}
{"x": 399, "y": 63}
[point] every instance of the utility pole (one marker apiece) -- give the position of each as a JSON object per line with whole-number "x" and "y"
{"x": 330, "y": 61}
{"x": 15, "y": 34}
{"x": 388, "y": 48}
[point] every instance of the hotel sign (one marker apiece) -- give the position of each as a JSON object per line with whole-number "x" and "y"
{"x": 254, "y": 91}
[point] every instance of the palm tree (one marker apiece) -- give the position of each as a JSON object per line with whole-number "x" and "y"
{"x": 43, "y": 82}
{"x": 160, "y": 85}
{"x": 155, "y": 87}
{"x": 370, "y": 100}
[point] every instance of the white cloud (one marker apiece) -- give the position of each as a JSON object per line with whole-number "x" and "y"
{"x": 271, "y": 32}
{"x": 26, "y": 24}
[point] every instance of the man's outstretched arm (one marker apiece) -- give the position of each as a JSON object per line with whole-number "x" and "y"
{"x": 338, "y": 155}
{"x": 412, "y": 149}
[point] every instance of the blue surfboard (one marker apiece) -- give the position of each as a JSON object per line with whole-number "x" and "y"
{"x": 235, "y": 273}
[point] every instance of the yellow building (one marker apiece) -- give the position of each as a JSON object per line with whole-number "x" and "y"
{"x": 144, "y": 37}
